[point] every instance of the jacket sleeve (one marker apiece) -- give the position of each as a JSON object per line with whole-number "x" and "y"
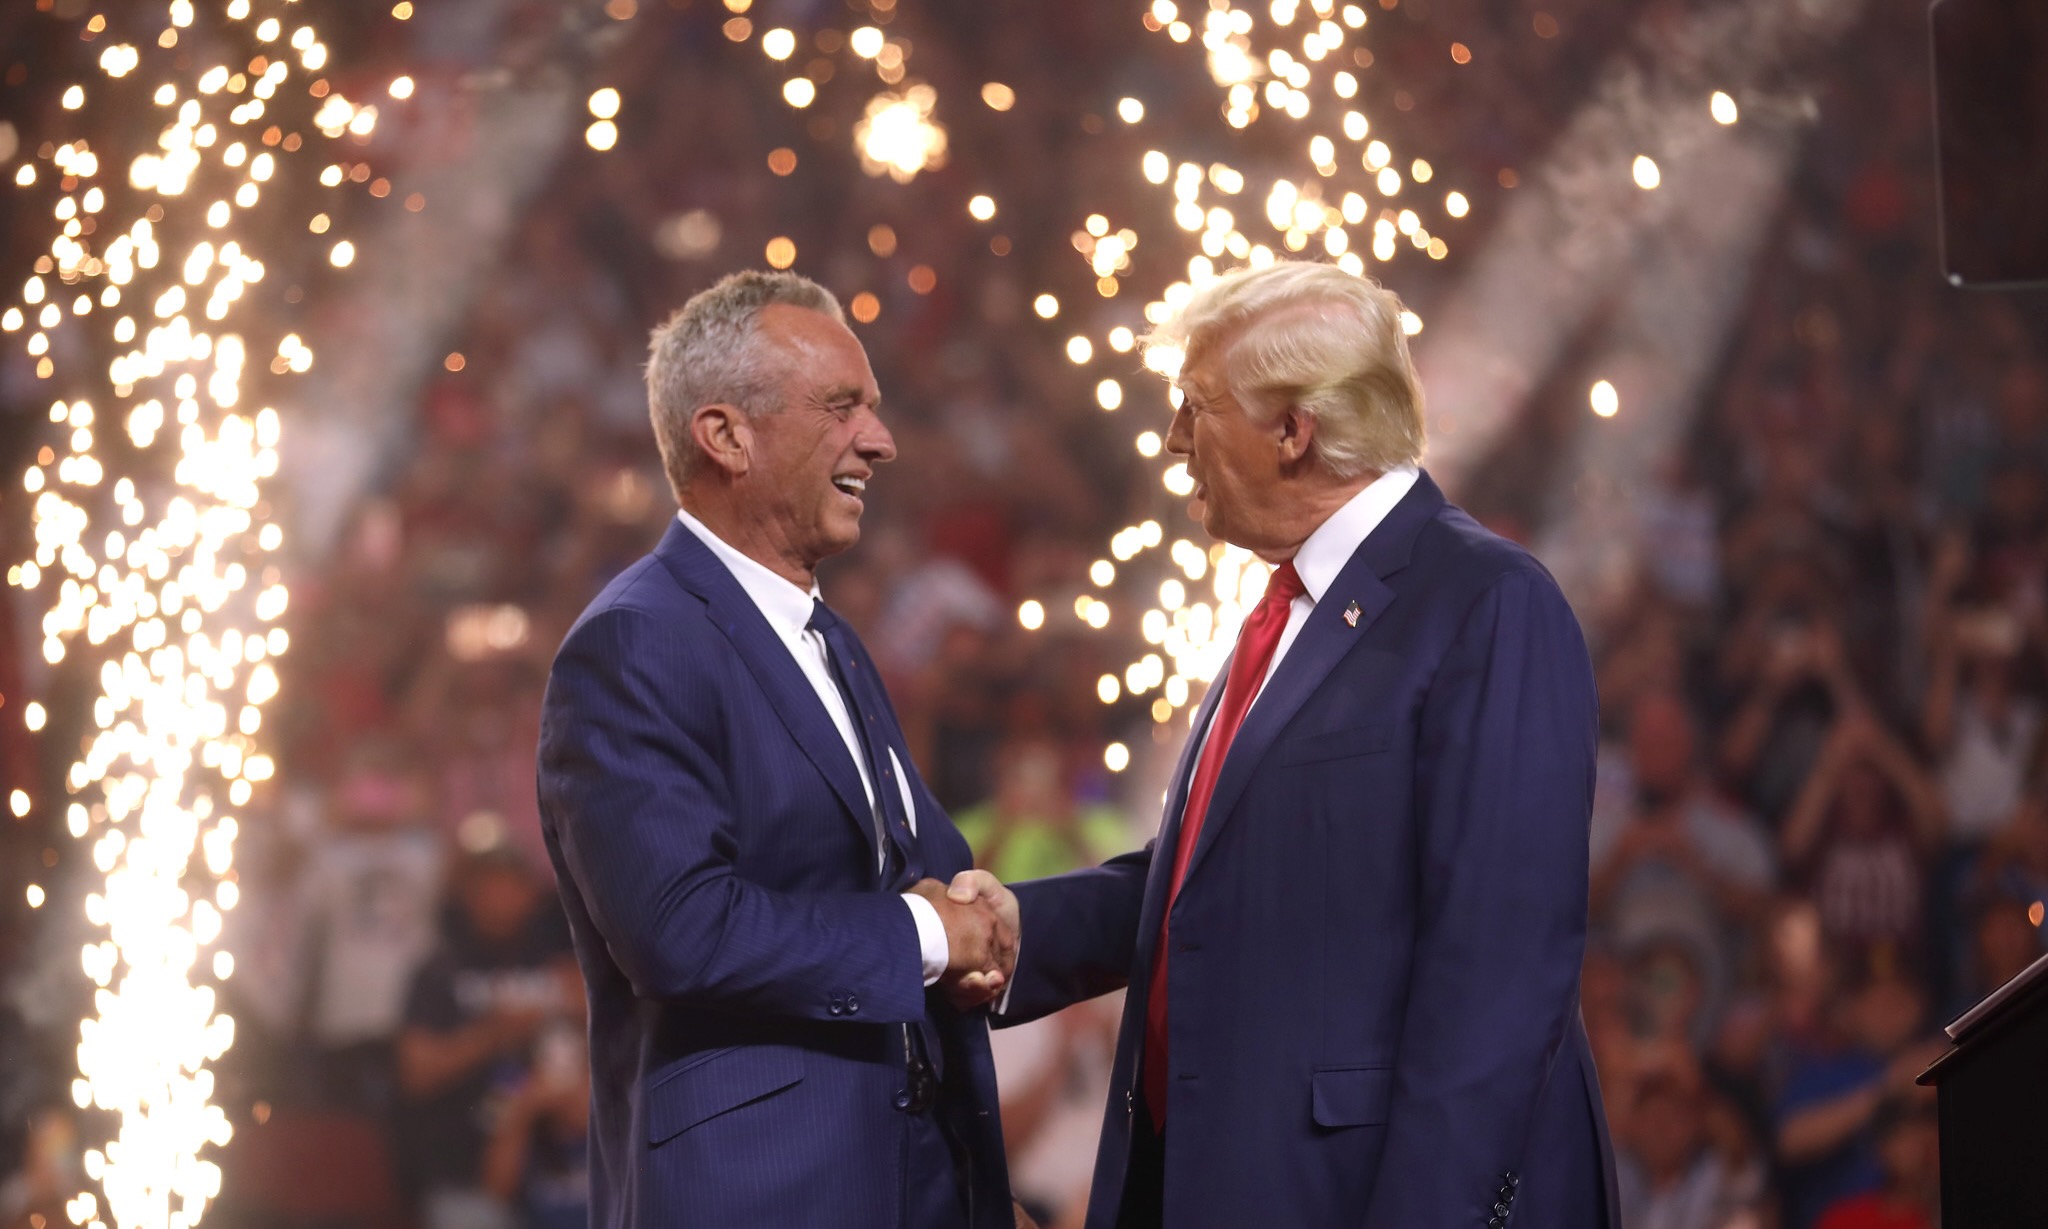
{"x": 647, "y": 828}
{"x": 1078, "y": 936}
{"x": 1503, "y": 795}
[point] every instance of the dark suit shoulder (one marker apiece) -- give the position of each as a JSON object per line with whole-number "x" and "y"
{"x": 1457, "y": 545}
{"x": 644, "y": 617}
{"x": 645, "y": 586}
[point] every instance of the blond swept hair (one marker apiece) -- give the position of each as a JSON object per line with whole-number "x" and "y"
{"x": 1315, "y": 337}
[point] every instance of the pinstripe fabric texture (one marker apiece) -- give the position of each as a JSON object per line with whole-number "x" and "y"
{"x": 748, "y": 978}
{"x": 1373, "y": 961}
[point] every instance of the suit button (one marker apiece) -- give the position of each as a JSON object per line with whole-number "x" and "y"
{"x": 1500, "y": 1209}
{"x": 903, "y": 1100}
{"x": 852, "y": 1004}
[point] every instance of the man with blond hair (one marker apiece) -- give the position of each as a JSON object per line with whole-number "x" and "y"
{"x": 1353, "y": 950}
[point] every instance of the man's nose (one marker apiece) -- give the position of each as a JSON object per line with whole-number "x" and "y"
{"x": 1180, "y": 436}
{"x": 874, "y": 442}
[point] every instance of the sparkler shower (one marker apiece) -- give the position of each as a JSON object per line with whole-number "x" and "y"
{"x": 1294, "y": 67}
{"x": 319, "y": 460}
{"x": 153, "y": 321}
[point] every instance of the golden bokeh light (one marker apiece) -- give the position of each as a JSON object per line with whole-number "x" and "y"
{"x": 1606, "y": 402}
{"x": 897, "y": 137}
{"x": 155, "y": 560}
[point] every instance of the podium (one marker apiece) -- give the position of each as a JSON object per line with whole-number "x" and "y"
{"x": 1992, "y": 1091}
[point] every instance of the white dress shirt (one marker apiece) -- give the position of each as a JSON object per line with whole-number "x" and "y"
{"x": 1329, "y": 548}
{"x": 787, "y": 608}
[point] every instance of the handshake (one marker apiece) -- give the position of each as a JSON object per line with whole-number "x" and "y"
{"x": 981, "y": 920}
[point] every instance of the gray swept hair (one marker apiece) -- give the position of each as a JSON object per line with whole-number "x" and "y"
{"x": 1313, "y": 336}
{"x": 709, "y": 352}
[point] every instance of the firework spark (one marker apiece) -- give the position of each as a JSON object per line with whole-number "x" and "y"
{"x": 153, "y": 543}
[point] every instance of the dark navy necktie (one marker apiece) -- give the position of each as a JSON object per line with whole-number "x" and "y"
{"x": 868, "y": 708}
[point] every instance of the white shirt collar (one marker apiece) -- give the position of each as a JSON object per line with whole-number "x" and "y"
{"x": 785, "y": 605}
{"x": 1333, "y": 543}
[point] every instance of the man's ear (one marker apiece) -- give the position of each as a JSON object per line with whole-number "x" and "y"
{"x": 722, "y": 435}
{"x": 1297, "y": 435}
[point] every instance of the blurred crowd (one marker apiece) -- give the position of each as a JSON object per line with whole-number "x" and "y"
{"x": 1822, "y": 818}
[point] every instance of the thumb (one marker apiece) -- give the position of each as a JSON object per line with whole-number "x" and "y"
{"x": 969, "y": 885}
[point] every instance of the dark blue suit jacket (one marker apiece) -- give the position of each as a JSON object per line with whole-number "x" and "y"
{"x": 1373, "y": 981}
{"x": 749, "y": 979}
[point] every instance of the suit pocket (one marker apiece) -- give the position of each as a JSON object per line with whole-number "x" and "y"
{"x": 1335, "y": 744}
{"x": 1351, "y": 1096}
{"x": 717, "y": 1082}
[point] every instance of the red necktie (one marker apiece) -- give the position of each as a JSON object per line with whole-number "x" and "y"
{"x": 1255, "y": 645}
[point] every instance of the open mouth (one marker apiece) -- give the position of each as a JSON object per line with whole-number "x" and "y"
{"x": 851, "y": 485}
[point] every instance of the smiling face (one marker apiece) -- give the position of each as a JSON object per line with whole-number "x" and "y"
{"x": 1237, "y": 464}
{"x": 805, "y": 466}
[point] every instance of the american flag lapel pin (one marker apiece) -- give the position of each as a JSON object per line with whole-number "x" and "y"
{"x": 1351, "y": 614}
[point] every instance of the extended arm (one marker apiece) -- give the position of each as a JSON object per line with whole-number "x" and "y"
{"x": 1504, "y": 781}
{"x": 647, "y": 826}
{"x": 1080, "y": 934}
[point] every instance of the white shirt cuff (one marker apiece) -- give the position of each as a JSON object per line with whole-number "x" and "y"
{"x": 931, "y": 937}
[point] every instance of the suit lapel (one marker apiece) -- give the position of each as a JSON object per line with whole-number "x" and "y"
{"x": 1324, "y": 639}
{"x": 1160, "y": 872}
{"x": 790, "y": 694}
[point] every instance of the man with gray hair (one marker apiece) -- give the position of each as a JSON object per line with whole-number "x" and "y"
{"x": 1353, "y": 950}
{"x": 785, "y": 1000}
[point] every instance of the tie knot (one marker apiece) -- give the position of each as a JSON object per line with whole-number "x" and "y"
{"x": 1284, "y": 585}
{"x": 823, "y": 620}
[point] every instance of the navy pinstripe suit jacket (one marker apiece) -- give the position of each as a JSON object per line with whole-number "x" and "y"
{"x": 748, "y": 978}
{"x": 1374, "y": 963}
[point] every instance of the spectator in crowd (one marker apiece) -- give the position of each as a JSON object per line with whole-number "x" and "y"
{"x": 1035, "y": 824}
{"x": 1908, "y": 1148}
{"x": 369, "y": 895}
{"x": 1835, "y": 1091}
{"x": 1682, "y": 859}
{"x": 1984, "y": 725}
{"x": 538, "y": 1157}
{"x": 478, "y": 1012}
{"x": 1862, "y": 835}
{"x": 1686, "y": 1161}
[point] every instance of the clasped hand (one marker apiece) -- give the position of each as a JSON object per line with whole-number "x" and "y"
{"x": 982, "y": 923}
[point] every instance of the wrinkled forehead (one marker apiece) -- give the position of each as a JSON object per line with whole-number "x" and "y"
{"x": 815, "y": 351}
